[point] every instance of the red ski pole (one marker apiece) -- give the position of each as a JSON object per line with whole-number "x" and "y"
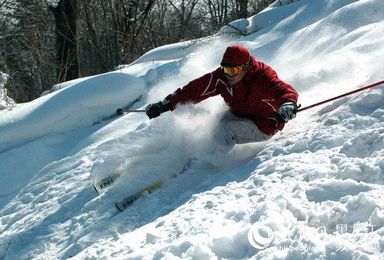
{"x": 341, "y": 96}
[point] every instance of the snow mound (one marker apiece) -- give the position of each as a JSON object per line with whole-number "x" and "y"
{"x": 76, "y": 106}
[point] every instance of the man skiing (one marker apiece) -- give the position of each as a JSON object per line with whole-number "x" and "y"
{"x": 259, "y": 102}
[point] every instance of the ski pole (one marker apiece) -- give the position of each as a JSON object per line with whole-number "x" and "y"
{"x": 341, "y": 96}
{"x": 121, "y": 111}
{"x": 135, "y": 110}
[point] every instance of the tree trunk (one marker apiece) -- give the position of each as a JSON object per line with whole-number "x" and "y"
{"x": 242, "y": 8}
{"x": 66, "y": 19}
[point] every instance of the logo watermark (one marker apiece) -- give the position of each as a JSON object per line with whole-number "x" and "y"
{"x": 262, "y": 236}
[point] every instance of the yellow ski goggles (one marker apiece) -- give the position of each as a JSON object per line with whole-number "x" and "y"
{"x": 231, "y": 71}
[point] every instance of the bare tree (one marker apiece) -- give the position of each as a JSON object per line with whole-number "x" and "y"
{"x": 218, "y": 12}
{"x": 26, "y": 48}
{"x": 184, "y": 11}
{"x": 40, "y": 46}
{"x": 241, "y": 8}
{"x": 66, "y": 19}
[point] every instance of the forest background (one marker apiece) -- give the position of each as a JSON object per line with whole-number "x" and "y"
{"x": 43, "y": 43}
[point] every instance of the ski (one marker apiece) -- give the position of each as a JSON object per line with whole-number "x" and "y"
{"x": 106, "y": 182}
{"x": 127, "y": 201}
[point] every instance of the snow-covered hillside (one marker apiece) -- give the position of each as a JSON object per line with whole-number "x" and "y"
{"x": 315, "y": 191}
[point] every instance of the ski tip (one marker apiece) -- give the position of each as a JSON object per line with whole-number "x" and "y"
{"x": 102, "y": 184}
{"x": 96, "y": 188}
{"x": 125, "y": 203}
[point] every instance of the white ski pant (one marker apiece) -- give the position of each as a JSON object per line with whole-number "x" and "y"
{"x": 232, "y": 130}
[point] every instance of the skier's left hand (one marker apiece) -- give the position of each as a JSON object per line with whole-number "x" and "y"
{"x": 156, "y": 109}
{"x": 286, "y": 112}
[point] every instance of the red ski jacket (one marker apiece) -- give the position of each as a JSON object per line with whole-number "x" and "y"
{"x": 258, "y": 96}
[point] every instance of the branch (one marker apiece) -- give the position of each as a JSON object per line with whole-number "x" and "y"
{"x": 3, "y": 3}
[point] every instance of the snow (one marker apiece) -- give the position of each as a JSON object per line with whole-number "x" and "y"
{"x": 53, "y": 3}
{"x": 312, "y": 192}
{"x": 69, "y": 108}
{"x": 5, "y": 101}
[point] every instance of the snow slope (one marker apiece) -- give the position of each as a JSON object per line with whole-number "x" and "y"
{"x": 315, "y": 191}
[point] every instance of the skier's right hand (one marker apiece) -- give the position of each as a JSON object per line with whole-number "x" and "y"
{"x": 155, "y": 109}
{"x": 286, "y": 112}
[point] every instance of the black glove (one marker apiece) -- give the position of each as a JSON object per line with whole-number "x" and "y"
{"x": 155, "y": 109}
{"x": 286, "y": 112}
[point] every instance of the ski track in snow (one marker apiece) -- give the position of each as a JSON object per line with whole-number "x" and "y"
{"x": 317, "y": 187}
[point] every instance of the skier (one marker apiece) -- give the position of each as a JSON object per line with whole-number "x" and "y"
{"x": 259, "y": 102}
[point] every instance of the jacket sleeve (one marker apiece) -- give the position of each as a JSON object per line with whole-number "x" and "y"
{"x": 196, "y": 90}
{"x": 283, "y": 91}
